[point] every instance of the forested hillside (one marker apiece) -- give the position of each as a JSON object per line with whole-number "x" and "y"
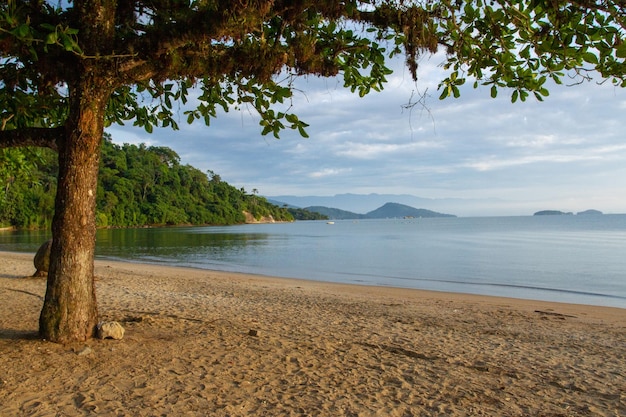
{"x": 137, "y": 186}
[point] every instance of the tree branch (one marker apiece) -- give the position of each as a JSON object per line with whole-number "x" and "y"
{"x": 33, "y": 136}
{"x": 216, "y": 40}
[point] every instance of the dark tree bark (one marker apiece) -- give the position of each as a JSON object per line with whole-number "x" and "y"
{"x": 70, "y": 311}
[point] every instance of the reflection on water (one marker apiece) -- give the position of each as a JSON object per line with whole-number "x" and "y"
{"x": 172, "y": 243}
{"x": 202, "y": 247}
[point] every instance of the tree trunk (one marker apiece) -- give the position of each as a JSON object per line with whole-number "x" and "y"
{"x": 70, "y": 312}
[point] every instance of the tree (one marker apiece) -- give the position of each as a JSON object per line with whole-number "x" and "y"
{"x": 69, "y": 68}
{"x": 27, "y": 187}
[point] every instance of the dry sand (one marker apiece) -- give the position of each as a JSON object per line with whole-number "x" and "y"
{"x": 319, "y": 350}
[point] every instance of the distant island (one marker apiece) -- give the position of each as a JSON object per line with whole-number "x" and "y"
{"x": 388, "y": 210}
{"x": 552, "y": 213}
{"x": 563, "y": 213}
{"x": 589, "y": 213}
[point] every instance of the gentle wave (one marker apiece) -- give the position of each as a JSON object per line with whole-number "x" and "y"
{"x": 488, "y": 284}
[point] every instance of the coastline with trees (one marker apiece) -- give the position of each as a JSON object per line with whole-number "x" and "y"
{"x": 138, "y": 185}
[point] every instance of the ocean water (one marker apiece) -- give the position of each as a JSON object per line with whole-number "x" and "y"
{"x": 577, "y": 259}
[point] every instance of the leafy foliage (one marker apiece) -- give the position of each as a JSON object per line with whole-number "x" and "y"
{"x": 138, "y": 185}
{"x": 305, "y": 214}
{"x": 161, "y": 52}
{"x": 29, "y": 183}
{"x": 520, "y": 44}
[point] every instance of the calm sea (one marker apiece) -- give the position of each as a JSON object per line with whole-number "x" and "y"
{"x": 578, "y": 259}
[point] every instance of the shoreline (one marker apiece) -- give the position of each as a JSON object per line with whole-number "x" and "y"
{"x": 351, "y": 288}
{"x": 202, "y": 342}
{"x": 379, "y": 288}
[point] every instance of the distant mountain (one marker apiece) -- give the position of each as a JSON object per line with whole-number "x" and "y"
{"x": 363, "y": 203}
{"x": 356, "y": 203}
{"x": 390, "y": 210}
{"x": 281, "y": 203}
{"x": 465, "y": 207}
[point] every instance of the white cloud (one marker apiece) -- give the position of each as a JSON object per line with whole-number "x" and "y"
{"x": 373, "y": 151}
{"x": 329, "y": 172}
{"x": 541, "y": 141}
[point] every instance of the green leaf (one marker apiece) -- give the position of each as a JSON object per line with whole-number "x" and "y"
{"x": 556, "y": 78}
{"x": 22, "y": 30}
{"x": 590, "y": 57}
{"x": 267, "y": 129}
{"x": 68, "y": 43}
{"x": 48, "y": 27}
{"x": 523, "y": 95}
{"x": 494, "y": 91}
{"x": 51, "y": 38}
{"x": 302, "y": 131}
{"x": 621, "y": 51}
{"x": 469, "y": 11}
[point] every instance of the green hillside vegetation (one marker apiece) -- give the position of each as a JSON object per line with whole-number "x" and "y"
{"x": 299, "y": 213}
{"x": 138, "y": 185}
{"x": 306, "y": 214}
{"x": 335, "y": 213}
{"x": 28, "y": 179}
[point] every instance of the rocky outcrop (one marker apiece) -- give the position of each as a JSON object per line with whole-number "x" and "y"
{"x": 250, "y": 218}
{"x": 42, "y": 259}
{"x": 110, "y": 330}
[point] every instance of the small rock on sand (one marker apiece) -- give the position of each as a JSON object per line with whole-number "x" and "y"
{"x": 42, "y": 259}
{"x": 110, "y": 330}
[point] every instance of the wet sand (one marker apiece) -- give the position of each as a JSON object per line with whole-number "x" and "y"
{"x": 205, "y": 343}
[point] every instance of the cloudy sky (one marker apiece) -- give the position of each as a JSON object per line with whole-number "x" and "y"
{"x": 566, "y": 153}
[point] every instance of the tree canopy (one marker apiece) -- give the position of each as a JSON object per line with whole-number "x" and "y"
{"x": 69, "y": 68}
{"x": 151, "y": 53}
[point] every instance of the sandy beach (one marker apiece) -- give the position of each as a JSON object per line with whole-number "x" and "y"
{"x": 205, "y": 343}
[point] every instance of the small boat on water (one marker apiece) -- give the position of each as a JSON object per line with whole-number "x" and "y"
{"x": 330, "y": 222}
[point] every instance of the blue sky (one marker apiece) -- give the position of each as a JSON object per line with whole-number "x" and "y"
{"x": 566, "y": 153}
